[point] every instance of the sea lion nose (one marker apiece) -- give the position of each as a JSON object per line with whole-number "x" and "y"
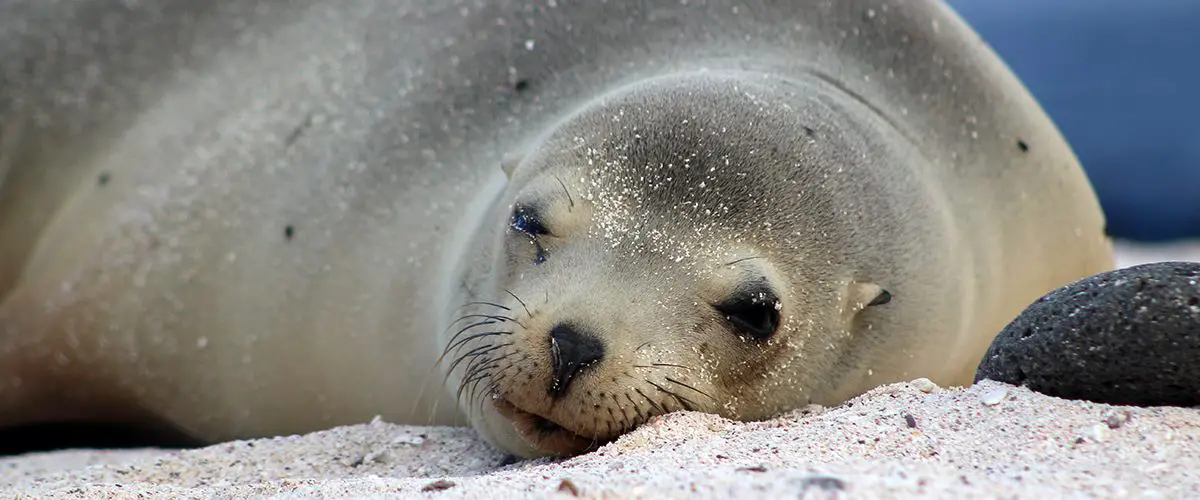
{"x": 571, "y": 351}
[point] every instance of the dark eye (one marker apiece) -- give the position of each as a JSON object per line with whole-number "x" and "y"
{"x": 753, "y": 313}
{"x": 526, "y": 221}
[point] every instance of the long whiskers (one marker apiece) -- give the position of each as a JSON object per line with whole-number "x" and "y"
{"x": 743, "y": 259}
{"x": 484, "y": 365}
{"x": 477, "y": 352}
{"x": 481, "y": 303}
{"x": 687, "y": 404}
{"x": 519, "y": 301}
{"x": 693, "y": 389}
{"x": 453, "y": 343}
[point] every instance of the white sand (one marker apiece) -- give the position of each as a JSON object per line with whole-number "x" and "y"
{"x": 899, "y": 441}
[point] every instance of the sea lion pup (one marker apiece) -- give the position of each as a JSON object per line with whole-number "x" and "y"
{"x": 245, "y": 219}
{"x": 740, "y": 243}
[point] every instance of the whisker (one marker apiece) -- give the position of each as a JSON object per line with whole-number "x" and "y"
{"x": 567, "y": 191}
{"x": 687, "y": 403}
{"x": 626, "y": 422}
{"x": 612, "y": 417}
{"x": 494, "y": 384}
{"x": 697, "y": 391}
{"x": 476, "y": 380}
{"x": 656, "y": 406}
{"x": 474, "y": 353}
{"x": 522, "y": 302}
{"x": 463, "y": 341}
{"x": 487, "y": 391}
{"x": 479, "y": 370}
{"x": 661, "y": 365}
{"x": 468, "y": 327}
{"x": 502, "y": 319}
{"x": 743, "y": 259}
{"x": 637, "y": 411}
{"x": 482, "y": 303}
{"x": 474, "y": 371}
{"x": 665, "y": 365}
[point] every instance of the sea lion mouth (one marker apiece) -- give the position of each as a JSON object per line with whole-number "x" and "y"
{"x": 543, "y": 433}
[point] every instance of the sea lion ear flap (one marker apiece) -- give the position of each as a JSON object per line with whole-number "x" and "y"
{"x": 864, "y": 295}
{"x": 509, "y": 164}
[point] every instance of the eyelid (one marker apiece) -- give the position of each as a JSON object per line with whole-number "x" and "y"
{"x": 525, "y": 219}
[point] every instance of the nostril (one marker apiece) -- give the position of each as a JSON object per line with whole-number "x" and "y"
{"x": 571, "y": 351}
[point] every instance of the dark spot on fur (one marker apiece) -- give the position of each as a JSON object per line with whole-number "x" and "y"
{"x": 298, "y": 131}
{"x": 809, "y": 131}
{"x": 103, "y": 178}
{"x": 1022, "y": 146}
{"x": 521, "y": 85}
{"x": 289, "y": 232}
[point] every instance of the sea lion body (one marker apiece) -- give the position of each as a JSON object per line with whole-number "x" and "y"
{"x": 257, "y": 218}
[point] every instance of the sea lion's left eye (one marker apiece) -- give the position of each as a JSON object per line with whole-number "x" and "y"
{"x": 525, "y": 220}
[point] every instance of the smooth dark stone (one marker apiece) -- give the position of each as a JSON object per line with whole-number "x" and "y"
{"x": 1129, "y": 337}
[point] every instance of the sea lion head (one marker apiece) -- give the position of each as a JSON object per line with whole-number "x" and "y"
{"x": 677, "y": 244}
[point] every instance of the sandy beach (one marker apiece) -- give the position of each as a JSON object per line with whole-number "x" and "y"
{"x": 905, "y": 440}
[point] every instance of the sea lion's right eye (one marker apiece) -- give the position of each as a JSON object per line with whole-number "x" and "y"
{"x": 525, "y": 220}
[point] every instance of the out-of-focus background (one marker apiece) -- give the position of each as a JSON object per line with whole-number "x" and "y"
{"x": 1121, "y": 79}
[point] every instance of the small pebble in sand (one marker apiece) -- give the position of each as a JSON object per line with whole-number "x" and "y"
{"x": 924, "y": 385}
{"x": 994, "y": 398}
{"x": 409, "y": 439}
{"x": 822, "y": 482}
{"x": 439, "y": 485}
{"x": 568, "y": 486}
{"x": 756, "y": 468}
{"x": 910, "y": 420}
{"x": 372, "y": 457}
{"x": 1098, "y": 432}
{"x": 1115, "y": 421}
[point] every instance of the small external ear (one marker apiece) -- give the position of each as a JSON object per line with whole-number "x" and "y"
{"x": 864, "y": 295}
{"x": 509, "y": 164}
{"x": 883, "y": 298}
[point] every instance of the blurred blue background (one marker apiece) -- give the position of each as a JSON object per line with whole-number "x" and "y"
{"x": 1121, "y": 79}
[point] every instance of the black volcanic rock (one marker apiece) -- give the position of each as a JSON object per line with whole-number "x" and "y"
{"x": 1129, "y": 337}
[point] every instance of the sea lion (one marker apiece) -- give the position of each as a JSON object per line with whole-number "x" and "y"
{"x": 245, "y": 219}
